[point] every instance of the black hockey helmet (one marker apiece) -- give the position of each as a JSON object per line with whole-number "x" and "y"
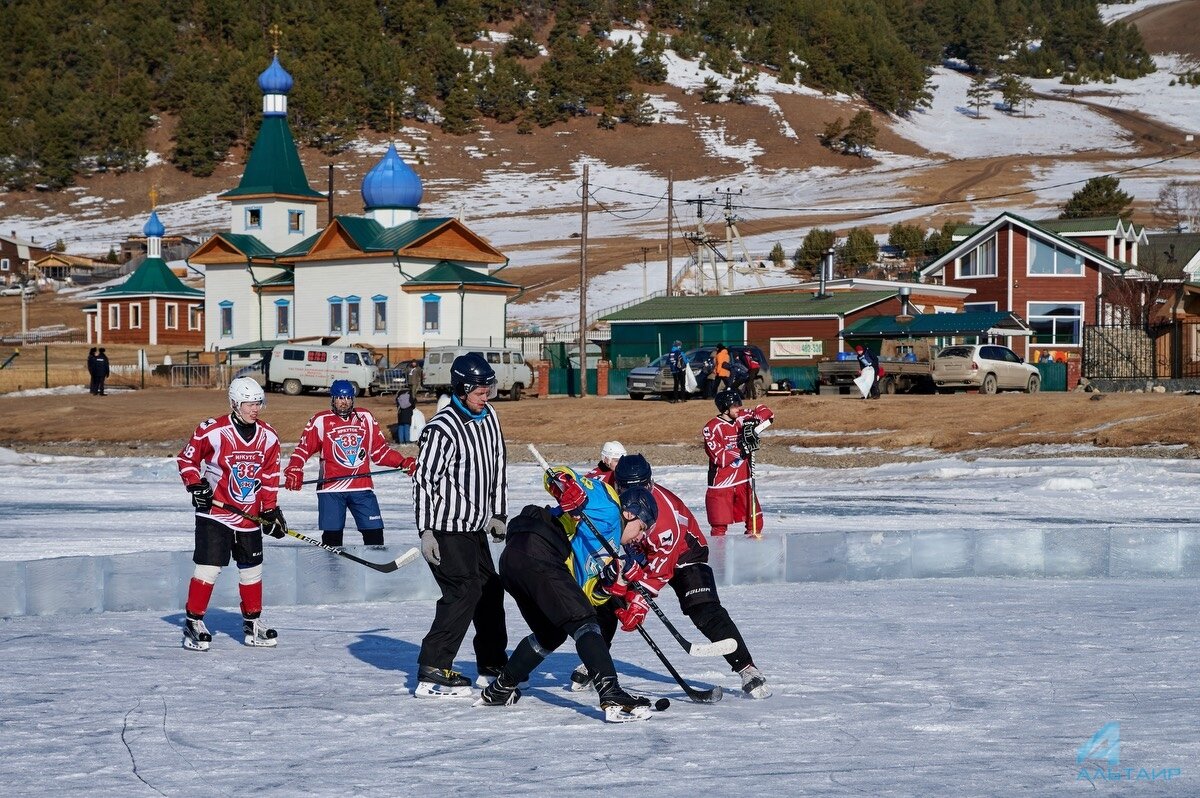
{"x": 470, "y": 371}
{"x": 632, "y": 469}
{"x": 726, "y": 399}
{"x": 639, "y": 502}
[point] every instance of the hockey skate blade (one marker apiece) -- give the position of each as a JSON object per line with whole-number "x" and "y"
{"x": 619, "y": 714}
{"x": 711, "y": 696}
{"x": 757, "y": 692}
{"x": 194, "y": 645}
{"x": 261, "y": 642}
{"x": 439, "y": 691}
{"x": 717, "y": 649}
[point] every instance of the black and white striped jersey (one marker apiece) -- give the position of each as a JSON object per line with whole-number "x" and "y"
{"x": 460, "y": 481}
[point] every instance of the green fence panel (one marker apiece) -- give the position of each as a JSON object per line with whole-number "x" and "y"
{"x": 563, "y": 382}
{"x": 803, "y": 378}
{"x": 1054, "y": 376}
{"x": 617, "y": 385}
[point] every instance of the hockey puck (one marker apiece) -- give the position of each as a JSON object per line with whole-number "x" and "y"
{"x": 661, "y": 704}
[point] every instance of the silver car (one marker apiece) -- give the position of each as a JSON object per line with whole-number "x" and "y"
{"x": 988, "y": 367}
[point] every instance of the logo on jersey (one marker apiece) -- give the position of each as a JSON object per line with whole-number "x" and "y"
{"x": 348, "y": 451}
{"x": 243, "y": 469}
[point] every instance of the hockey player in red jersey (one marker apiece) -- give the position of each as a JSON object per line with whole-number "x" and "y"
{"x": 675, "y": 552}
{"x": 610, "y": 453}
{"x": 347, "y": 440}
{"x": 233, "y": 460}
{"x": 727, "y": 442}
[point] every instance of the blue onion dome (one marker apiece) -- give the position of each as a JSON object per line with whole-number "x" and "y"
{"x": 392, "y": 184}
{"x": 153, "y": 228}
{"x": 275, "y": 79}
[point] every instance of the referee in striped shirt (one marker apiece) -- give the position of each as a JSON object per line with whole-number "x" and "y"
{"x": 459, "y": 494}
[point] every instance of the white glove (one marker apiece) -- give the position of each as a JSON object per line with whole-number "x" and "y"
{"x": 497, "y": 528}
{"x": 429, "y": 548}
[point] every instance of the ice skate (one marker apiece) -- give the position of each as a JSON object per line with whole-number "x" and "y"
{"x": 754, "y": 684}
{"x": 258, "y": 633}
{"x": 618, "y": 705}
{"x": 441, "y": 683}
{"x": 581, "y": 680}
{"x": 500, "y": 693}
{"x": 486, "y": 674}
{"x": 196, "y": 636}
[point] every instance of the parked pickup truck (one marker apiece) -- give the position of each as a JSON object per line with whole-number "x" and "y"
{"x": 899, "y": 376}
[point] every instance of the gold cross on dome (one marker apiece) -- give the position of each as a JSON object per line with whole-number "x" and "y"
{"x": 153, "y": 197}
{"x": 275, "y": 34}
{"x": 392, "y": 118}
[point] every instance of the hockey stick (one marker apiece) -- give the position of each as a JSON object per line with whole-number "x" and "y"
{"x": 323, "y": 480}
{"x": 717, "y": 649}
{"x": 710, "y": 696}
{"x": 384, "y": 567}
{"x": 752, "y": 504}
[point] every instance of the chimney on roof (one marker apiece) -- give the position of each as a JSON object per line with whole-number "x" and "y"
{"x": 826, "y": 273}
{"x": 905, "y": 309}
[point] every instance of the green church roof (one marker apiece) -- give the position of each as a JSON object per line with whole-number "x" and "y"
{"x": 371, "y": 236}
{"x": 447, "y": 272}
{"x": 155, "y": 278}
{"x": 274, "y": 167}
{"x": 747, "y": 306}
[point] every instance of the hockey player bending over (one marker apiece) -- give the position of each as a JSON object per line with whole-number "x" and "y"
{"x": 728, "y": 440}
{"x": 348, "y": 440}
{"x": 675, "y": 553}
{"x": 558, "y": 601}
{"x": 233, "y": 459}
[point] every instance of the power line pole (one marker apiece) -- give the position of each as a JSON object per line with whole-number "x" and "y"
{"x": 645, "y": 285}
{"x": 583, "y": 291}
{"x": 670, "y": 229}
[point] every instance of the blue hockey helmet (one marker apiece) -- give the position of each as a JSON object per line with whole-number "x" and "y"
{"x": 632, "y": 469}
{"x": 342, "y": 389}
{"x": 639, "y": 502}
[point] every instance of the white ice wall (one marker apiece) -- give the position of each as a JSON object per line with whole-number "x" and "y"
{"x": 301, "y": 574}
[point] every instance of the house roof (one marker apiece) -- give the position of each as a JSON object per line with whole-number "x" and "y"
{"x": 982, "y": 232}
{"x": 152, "y": 278}
{"x": 684, "y": 308}
{"x": 274, "y": 168}
{"x": 371, "y": 236}
{"x": 248, "y": 245}
{"x": 447, "y": 272}
{"x": 1180, "y": 249}
{"x": 935, "y": 324}
{"x": 1100, "y": 225}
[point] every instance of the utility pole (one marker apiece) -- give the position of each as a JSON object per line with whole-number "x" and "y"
{"x": 645, "y": 285}
{"x": 670, "y": 229}
{"x": 583, "y": 291}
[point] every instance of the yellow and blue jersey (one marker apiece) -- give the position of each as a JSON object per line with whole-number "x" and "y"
{"x": 588, "y": 554}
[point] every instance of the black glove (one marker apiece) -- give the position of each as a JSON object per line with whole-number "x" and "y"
{"x": 202, "y": 496}
{"x": 748, "y": 436}
{"x": 274, "y": 523}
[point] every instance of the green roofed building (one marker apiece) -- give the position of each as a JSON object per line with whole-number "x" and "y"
{"x": 386, "y": 279}
{"x": 152, "y": 306}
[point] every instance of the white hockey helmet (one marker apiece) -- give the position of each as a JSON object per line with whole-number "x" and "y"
{"x": 613, "y": 450}
{"x": 244, "y": 389}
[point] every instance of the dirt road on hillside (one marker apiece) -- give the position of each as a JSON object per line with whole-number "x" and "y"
{"x": 810, "y": 430}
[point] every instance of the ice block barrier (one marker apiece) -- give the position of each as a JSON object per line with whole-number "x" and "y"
{"x": 308, "y": 576}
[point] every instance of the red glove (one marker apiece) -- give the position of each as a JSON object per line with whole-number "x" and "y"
{"x": 762, "y": 413}
{"x": 409, "y": 464}
{"x": 571, "y": 497}
{"x": 293, "y": 478}
{"x": 634, "y": 611}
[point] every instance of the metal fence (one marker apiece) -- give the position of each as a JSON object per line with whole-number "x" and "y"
{"x": 1163, "y": 352}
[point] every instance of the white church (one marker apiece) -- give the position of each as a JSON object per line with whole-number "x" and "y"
{"x": 385, "y": 279}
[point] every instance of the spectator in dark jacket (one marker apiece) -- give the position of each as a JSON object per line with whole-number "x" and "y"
{"x": 752, "y": 366}
{"x": 867, "y": 358}
{"x": 94, "y": 388}
{"x": 677, "y": 362}
{"x": 101, "y": 373}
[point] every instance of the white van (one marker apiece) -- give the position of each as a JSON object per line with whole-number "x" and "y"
{"x": 513, "y": 375}
{"x": 295, "y": 368}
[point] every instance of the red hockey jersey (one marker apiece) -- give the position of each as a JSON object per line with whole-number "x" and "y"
{"x": 243, "y": 474}
{"x": 726, "y": 465}
{"x": 347, "y": 447}
{"x": 675, "y": 542}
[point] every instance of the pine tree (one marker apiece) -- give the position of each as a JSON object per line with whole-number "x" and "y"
{"x": 777, "y": 255}
{"x": 812, "y": 249}
{"x": 859, "y": 135}
{"x": 1015, "y": 92}
{"x": 459, "y": 113}
{"x": 711, "y": 92}
{"x": 979, "y": 95}
{"x": 907, "y": 238}
{"x": 832, "y": 132}
{"x": 1100, "y": 196}
{"x": 860, "y": 251}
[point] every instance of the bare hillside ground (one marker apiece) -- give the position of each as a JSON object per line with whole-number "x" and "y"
{"x": 896, "y": 428}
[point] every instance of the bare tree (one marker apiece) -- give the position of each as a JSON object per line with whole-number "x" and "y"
{"x": 1178, "y": 206}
